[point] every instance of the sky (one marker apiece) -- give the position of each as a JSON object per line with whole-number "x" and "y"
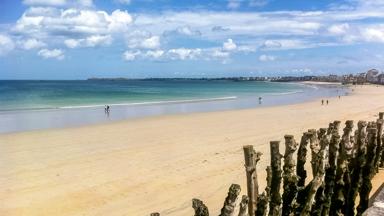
{"x": 78, "y": 39}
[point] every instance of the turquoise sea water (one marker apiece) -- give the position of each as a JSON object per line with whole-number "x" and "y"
{"x": 35, "y": 105}
{"x": 24, "y": 95}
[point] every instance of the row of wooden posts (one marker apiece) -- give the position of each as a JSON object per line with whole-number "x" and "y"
{"x": 342, "y": 169}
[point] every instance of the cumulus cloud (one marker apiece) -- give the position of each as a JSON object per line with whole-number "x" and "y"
{"x": 31, "y": 43}
{"x": 53, "y": 53}
{"x": 265, "y": 58}
{"x": 144, "y": 41}
{"x": 6, "y": 44}
{"x": 155, "y": 54}
{"x": 91, "y": 41}
{"x": 69, "y": 23}
{"x": 130, "y": 55}
{"x": 229, "y": 45}
{"x": 373, "y": 34}
{"x": 184, "y": 53}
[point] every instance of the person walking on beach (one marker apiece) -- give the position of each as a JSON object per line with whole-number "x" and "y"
{"x": 327, "y": 102}
{"x": 322, "y": 102}
{"x": 260, "y": 100}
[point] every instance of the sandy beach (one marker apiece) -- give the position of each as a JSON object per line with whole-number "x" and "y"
{"x": 136, "y": 167}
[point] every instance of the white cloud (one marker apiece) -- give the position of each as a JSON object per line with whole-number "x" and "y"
{"x": 91, "y": 41}
{"x": 151, "y": 43}
{"x": 271, "y": 44}
{"x": 187, "y": 30}
{"x": 72, "y": 43}
{"x": 32, "y": 44}
{"x": 119, "y": 20}
{"x": 265, "y": 58}
{"x": 229, "y": 45}
{"x": 51, "y": 22}
{"x": 6, "y": 44}
{"x": 130, "y": 55}
{"x": 339, "y": 29}
{"x": 54, "y": 53}
{"x": 143, "y": 40}
{"x": 183, "y": 53}
{"x": 373, "y": 34}
{"x": 220, "y": 54}
{"x": 154, "y": 54}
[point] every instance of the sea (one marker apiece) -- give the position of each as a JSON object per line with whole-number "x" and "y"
{"x": 31, "y": 105}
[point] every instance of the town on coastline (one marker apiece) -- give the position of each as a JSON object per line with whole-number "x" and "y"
{"x": 372, "y": 76}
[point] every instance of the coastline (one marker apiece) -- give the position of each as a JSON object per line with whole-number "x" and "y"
{"x": 157, "y": 163}
{"x": 75, "y": 116}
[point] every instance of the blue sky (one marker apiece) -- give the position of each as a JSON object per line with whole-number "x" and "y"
{"x": 77, "y": 39}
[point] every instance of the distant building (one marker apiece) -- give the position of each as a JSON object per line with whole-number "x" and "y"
{"x": 372, "y": 76}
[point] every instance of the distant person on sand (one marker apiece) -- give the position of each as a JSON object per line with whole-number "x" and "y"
{"x": 322, "y": 102}
{"x": 106, "y": 110}
{"x": 327, "y": 102}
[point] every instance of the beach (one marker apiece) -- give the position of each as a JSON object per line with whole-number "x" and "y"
{"x": 157, "y": 163}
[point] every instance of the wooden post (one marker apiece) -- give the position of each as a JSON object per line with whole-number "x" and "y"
{"x": 275, "y": 202}
{"x": 357, "y": 163}
{"x": 155, "y": 214}
{"x": 199, "y": 207}
{"x": 289, "y": 177}
{"x": 302, "y": 159}
{"x": 230, "y": 200}
{"x": 251, "y": 158}
{"x": 368, "y": 170}
{"x": 243, "y": 206}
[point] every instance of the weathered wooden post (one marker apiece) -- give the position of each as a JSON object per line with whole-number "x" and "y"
{"x": 338, "y": 199}
{"x": 331, "y": 173}
{"x": 244, "y": 206}
{"x": 199, "y": 207}
{"x": 302, "y": 159}
{"x": 251, "y": 158}
{"x": 275, "y": 202}
{"x": 379, "y": 149}
{"x": 368, "y": 171}
{"x": 262, "y": 203}
{"x": 314, "y": 144}
{"x": 320, "y": 197}
{"x": 230, "y": 200}
{"x": 357, "y": 163}
{"x": 289, "y": 177}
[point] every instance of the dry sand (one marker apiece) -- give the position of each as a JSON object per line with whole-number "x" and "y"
{"x": 155, "y": 164}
